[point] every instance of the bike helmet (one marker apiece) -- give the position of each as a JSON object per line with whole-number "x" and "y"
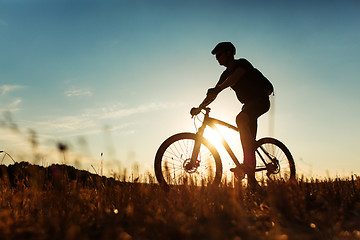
{"x": 224, "y": 46}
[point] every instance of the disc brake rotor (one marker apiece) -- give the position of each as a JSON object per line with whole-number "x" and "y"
{"x": 191, "y": 168}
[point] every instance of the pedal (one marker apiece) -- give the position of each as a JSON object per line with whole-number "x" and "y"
{"x": 238, "y": 173}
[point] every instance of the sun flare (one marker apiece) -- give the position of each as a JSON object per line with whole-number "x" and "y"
{"x": 215, "y": 138}
{"x": 231, "y": 137}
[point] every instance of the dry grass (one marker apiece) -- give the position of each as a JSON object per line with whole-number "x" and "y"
{"x": 74, "y": 208}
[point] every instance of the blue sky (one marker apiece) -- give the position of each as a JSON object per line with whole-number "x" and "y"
{"x": 119, "y": 77}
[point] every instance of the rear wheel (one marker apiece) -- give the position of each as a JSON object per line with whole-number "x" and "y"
{"x": 173, "y": 165}
{"x": 273, "y": 161}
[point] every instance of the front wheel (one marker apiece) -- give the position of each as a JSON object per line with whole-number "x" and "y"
{"x": 173, "y": 164}
{"x": 273, "y": 160}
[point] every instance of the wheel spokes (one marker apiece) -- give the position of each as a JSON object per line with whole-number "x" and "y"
{"x": 272, "y": 162}
{"x": 175, "y": 160}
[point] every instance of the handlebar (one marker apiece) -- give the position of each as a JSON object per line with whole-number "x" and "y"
{"x": 196, "y": 111}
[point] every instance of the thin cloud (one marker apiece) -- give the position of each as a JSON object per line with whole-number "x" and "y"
{"x": 116, "y": 112}
{"x": 71, "y": 126}
{"x": 78, "y": 92}
{"x": 15, "y": 103}
{"x": 4, "y": 89}
{"x": 13, "y": 106}
{"x": 67, "y": 124}
{"x": 90, "y": 121}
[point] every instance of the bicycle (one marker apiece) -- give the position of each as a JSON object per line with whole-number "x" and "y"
{"x": 189, "y": 158}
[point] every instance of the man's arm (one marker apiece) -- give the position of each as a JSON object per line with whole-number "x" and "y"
{"x": 232, "y": 79}
{"x": 209, "y": 99}
{"x": 213, "y": 92}
{"x": 229, "y": 82}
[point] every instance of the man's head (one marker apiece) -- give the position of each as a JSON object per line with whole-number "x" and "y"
{"x": 224, "y": 53}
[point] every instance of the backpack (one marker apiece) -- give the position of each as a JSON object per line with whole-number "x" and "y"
{"x": 263, "y": 83}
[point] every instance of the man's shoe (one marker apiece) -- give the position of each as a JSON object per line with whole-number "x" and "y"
{"x": 240, "y": 171}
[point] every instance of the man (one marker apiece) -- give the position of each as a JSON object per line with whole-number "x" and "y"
{"x": 253, "y": 90}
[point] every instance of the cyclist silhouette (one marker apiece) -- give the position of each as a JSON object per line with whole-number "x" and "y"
{"x": 253, "y": 90}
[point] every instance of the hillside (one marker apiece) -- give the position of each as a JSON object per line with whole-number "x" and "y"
{"x": 29, "y": 175}
{"x": 61, "y": 202}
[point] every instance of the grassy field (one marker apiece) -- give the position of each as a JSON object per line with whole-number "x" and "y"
{"x": 61, "y": 202}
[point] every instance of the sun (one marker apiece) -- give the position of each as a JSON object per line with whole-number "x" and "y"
{"x": 214, "y": 137}
{"x": 231, "y": 137}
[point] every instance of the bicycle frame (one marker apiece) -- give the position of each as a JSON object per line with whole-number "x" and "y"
{"x": 212, "y": 122}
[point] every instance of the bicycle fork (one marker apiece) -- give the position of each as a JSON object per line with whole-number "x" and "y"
{"x": 194, "y": 161}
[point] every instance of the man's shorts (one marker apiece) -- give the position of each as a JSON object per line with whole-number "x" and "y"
{"x": 255, "y": 109}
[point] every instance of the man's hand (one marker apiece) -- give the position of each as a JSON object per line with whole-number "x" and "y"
{"x": 195, "y": 111}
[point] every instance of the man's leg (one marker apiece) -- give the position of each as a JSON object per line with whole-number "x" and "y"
{"x": 247, "y": 128}
{"x": 246, "y": 121}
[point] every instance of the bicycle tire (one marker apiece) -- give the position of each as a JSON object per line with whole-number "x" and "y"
{"x": 283, "y": 167}
{"x": 175, "y": 152}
